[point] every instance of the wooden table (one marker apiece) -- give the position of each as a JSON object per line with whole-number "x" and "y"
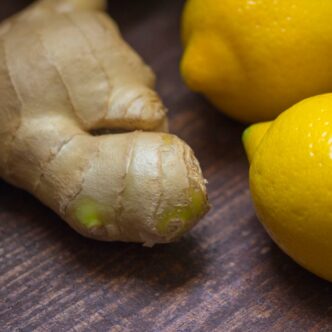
{"x": 225, "y": 275}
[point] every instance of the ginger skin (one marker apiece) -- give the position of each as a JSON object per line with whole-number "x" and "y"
{"x": 65, "y": 71}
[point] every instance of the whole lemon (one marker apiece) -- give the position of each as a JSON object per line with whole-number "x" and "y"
{"x": 291, "y": 181}
{"x": 255, "y": 58}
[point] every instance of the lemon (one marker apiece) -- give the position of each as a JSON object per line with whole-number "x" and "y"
{"x": 291, "y": 181}
{"x": 255, "y": 58}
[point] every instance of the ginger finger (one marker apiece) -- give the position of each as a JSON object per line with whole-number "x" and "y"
{"x": 65, "y": 75}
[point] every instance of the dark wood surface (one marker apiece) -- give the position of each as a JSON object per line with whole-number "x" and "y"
{"x": 225, "y": 275}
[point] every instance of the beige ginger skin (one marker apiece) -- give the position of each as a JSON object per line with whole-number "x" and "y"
{"x": 66, "y": 72}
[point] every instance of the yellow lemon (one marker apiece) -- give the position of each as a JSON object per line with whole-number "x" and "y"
{"x": 255, "y": 58}
{"x": 291, "y": 181}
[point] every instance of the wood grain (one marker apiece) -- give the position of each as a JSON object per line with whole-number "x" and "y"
{"x": 226, "y": 275}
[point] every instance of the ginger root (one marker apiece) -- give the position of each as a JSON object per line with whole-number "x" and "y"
{"x": 65, "y": 73}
